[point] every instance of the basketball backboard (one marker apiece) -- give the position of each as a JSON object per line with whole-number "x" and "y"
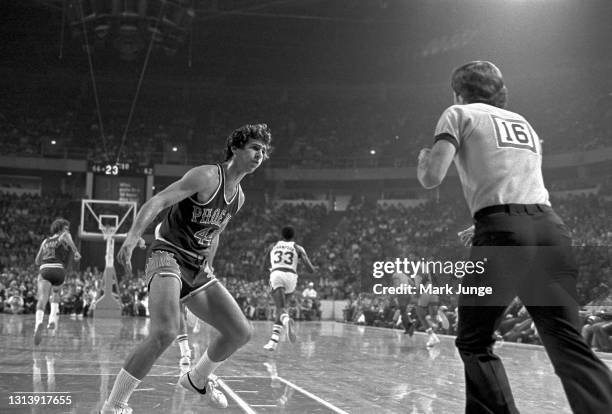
{"x": 96, "y": 215}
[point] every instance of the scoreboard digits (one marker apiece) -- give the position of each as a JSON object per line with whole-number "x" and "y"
{"x": 120, "y": 168}
{"x": 120, "y": 181}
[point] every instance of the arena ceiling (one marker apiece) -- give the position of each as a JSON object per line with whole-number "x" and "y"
{"x": 356, "y": 11}
{"x": 339, "y": 40}
{"x": 273, "y": 38}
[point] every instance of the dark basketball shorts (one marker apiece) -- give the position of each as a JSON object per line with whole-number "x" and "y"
{"x": 192, "y": 277}
{"x": 54, "y": 275}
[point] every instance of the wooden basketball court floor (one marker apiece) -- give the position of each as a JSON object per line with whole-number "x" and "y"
{"x": 333, "y": 368}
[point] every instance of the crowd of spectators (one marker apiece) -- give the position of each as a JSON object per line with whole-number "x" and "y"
{"x": 311, "y": 131}
{"x": 343, "y": 249}
{"x": 24, "y": 223}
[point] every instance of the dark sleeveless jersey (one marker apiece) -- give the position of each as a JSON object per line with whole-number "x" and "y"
{"x": 190, "y": 226}
{"x": 55, "y": 251}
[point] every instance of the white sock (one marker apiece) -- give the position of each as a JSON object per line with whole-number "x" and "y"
{"x": 183, "y": 344}
{"x": 125, "y": 384}
{"x": 276, "y": 331}
{"x": 54, "y": 314}
{"x": 40, "y": 315}
{"x": 199, "y": 374}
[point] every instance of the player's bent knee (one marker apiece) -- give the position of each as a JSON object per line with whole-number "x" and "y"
{"x": 164, "y": 337}
{"x": 165, "y": 333}
{"x": 243, "y": 333}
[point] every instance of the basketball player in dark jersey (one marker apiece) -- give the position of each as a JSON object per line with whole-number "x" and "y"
{"x": 179, "y": 267}
{"x": 52, "y": 259}
{"x": 527, "y": 246}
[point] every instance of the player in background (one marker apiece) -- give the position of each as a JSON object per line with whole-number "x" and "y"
{"x": 182, "y": 339}
{"x": 403, "y": 301}
{"x": 52, "y": 259}
{"x": 283, "y": 259}
{"x": 527, "y": 246}
{"x": 427, "y": 310}
{"x": 178, "y": 269}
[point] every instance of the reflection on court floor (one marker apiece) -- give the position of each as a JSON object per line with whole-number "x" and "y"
{"x": 333, "y": 368}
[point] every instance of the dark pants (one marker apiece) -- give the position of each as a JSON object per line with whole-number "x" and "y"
{"x": 532, "y": 259}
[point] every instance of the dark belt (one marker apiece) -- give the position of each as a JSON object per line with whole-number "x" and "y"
{"x": 512, "y": 209}
{"x": 284, "y": 269}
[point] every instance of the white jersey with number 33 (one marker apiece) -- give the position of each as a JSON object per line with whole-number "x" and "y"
{"x": 284, "y": 256}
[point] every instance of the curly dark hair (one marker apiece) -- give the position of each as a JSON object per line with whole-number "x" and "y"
{"x": 480, "y": 81}
{"x": 288, "y": 233}
{"x": 58, "y": 225}
{"x": 239, "y": 137}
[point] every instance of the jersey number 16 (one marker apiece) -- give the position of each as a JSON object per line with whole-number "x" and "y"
{"x": 514, "y": 133}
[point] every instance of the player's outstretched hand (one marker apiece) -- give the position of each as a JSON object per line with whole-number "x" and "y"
{"x": 466, "y": 236}
{"x": 77, "y": 256}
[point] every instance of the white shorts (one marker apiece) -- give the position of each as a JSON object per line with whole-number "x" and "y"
{"x": 287, "y": 280}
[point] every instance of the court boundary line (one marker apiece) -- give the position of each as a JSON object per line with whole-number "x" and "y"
{"x": 313, "y": 397}
{"x": 241, "y": 403}
{"x": 83, "y": 374}
{"x": 602, "y": 355}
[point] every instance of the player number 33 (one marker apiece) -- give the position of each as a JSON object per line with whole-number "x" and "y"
{"x": 285, "y": 257}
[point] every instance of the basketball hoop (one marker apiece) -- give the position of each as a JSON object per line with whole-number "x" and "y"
{"x": 108, "y": 231}
{"x": 108, "y": 221}
{"x": 98, "y": 214}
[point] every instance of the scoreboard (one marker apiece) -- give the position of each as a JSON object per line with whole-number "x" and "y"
{"x": 120, "y": 169}
{"x": 120, "y": 181}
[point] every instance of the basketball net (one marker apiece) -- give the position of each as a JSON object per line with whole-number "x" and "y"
{"x": 108, "y": 232}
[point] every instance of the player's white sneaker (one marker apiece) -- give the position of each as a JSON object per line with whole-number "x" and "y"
{"x": 115, "y": 410}
{"x": 290, "y": 327}
{"x": 52, "y": 329}
{"x": 270, "y": 346}
{"x": 210, "y": 392}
